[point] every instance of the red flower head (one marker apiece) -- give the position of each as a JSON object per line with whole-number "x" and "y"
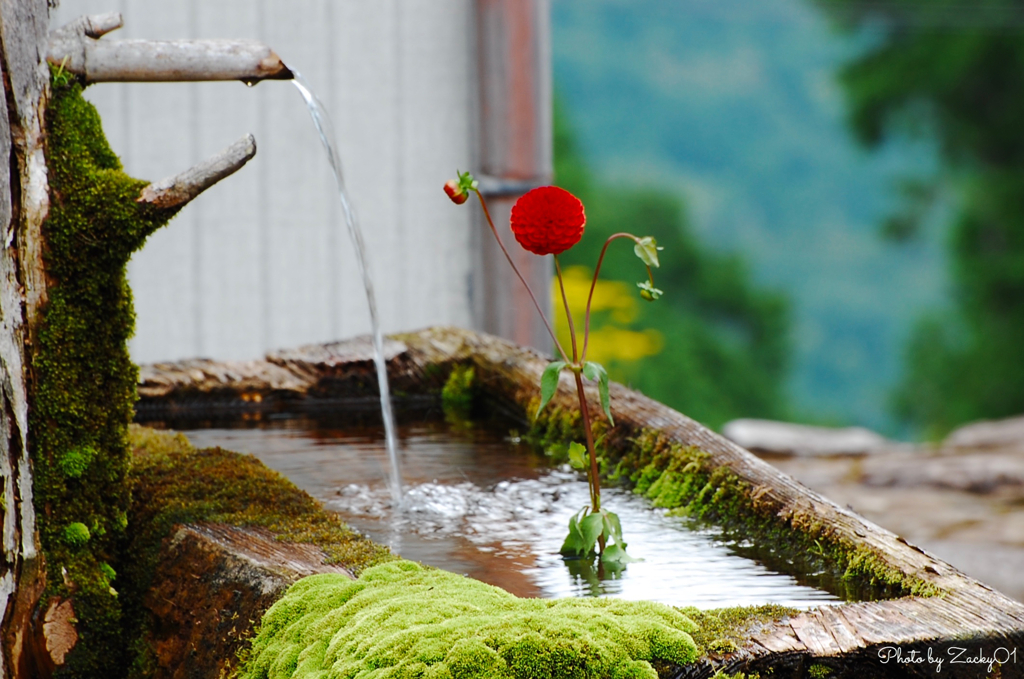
{"x": 548, "y": 220}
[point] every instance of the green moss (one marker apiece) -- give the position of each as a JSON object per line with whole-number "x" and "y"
{"x": 76, "y": 534}
{"x": 174, "y": 483}
{"x": 555, "y": 427}
{"x": 683, "y": 480}
{"x": 403, "y": 620}
{"x": 819, "y": 671}
{"x": 457, "y": 394}
{"x": 73, "y": 463}
{"x": 108, "y": 572}
{"x": 83, "y": 381}
{"x": 724, "y": 630}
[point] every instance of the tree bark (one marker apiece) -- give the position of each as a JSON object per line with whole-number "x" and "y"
{"x": 23, "y": 207}
{"x": 38, "y": 636}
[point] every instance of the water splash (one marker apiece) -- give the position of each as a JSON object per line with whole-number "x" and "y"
{"x": 323, "y": 127}
{"x": 477, "y": 504}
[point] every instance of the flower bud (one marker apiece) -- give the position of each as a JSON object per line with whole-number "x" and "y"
{"x": 648, "y": 291}
{"x": 455, "y": 192}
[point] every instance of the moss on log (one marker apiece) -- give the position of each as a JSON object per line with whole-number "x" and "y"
{"x": 216, "y": 538}
{"x": 679, "y": 464}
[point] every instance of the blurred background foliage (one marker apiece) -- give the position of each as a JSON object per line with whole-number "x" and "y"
{"x": 721, "y": 344}
{"x": 953, "y": 73}
{"x": 721, "y": 128}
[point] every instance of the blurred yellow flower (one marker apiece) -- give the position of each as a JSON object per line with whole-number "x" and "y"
{"x": 614, "y": 303}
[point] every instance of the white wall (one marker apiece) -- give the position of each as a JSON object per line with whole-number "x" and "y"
{"x": 262, "y": 260}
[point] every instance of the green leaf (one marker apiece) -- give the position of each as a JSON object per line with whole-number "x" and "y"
{"x": 549, "y": 383}
{"x": 596, "y": 371}
{"x": 647, "y": 250}
{"x": 577, "y": 455}
{"x": 648, "y": 291}
{"x": 466, "y": 181}
{"x": 612, "y": 526}
{"x": 591, "y": 528}
{"x": 574, "y": 543}
{"x": 616, "y": 554}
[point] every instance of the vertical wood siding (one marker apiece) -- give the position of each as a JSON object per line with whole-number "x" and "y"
{"x": 263, "y": 261}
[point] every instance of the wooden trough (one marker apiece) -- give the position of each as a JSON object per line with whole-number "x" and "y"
{"x": 939, "y": 622}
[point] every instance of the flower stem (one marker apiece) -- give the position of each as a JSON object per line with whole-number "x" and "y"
{"x": 565, "y": 301}
{"x": 595, "y": 480}
{"x": 490, "y": 222}
{"x": 593, "y": 284}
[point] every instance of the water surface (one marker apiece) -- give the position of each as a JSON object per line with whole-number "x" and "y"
{"x": 479, "y": 503}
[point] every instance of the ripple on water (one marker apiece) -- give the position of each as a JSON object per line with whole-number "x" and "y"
{"x": 477, "y": 504}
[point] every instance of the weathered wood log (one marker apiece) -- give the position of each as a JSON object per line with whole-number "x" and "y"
{"x": 76, "y": 48}
{"x": 215, "y": 582}
{"x": 24, "y": 203}
{"x": 200, "y": 588}
{"x": 176, "y": 191}
{"x": 852, "y": 639}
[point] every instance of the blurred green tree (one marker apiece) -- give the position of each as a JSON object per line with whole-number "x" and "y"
{"x": 954, "y": 76}
{"x": 722, "y": 345}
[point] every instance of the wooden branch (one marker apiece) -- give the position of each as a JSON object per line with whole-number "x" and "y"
{"x": 176, "y": 191}
{"x": 77, "y": 48}
{"x": 95, "y": 26}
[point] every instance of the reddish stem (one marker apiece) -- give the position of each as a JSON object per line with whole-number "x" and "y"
{"x": 490, "y": 222}
{"x": 565, "y": 301}
{"x": 595, "y": 480}
{"x": 593, "y": 284}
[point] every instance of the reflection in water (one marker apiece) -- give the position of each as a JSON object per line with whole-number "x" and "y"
{"x": 480, "y": 505}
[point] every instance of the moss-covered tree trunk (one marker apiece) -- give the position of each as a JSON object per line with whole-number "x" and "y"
{"x": 70, "y": 219}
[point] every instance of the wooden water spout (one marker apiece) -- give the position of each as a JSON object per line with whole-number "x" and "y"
{"x": 78, "y": 49}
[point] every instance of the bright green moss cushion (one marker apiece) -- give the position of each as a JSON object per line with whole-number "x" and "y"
{"x": 402, "y": 620}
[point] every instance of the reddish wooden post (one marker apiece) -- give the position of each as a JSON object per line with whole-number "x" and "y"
{"x": 515, "y": 155}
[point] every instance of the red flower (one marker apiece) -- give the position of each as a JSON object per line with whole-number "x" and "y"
{"x": 548, "y": 220}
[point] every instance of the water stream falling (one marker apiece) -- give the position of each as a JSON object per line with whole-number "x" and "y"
{"x": 323, "y": 127}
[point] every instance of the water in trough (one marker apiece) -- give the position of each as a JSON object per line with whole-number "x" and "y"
{"x": 482, "y": 503}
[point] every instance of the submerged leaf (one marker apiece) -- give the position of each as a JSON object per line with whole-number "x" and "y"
{"x": 574, "y": 544}
{"x": 616, "y": 554}
{"x": 591, "y": 527}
